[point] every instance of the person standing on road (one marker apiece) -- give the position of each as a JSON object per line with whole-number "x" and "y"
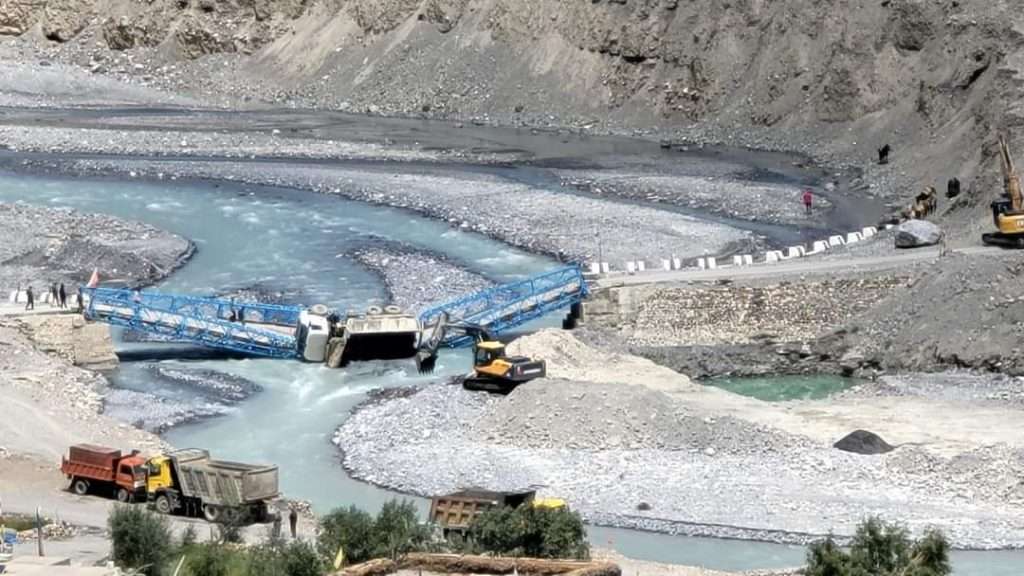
{"x": 30, "y": 299}
{"x": 54, "y": 300}
{"x": 63, "y": 296}
{"x": 293, "y": 521}
{"x": 808, "y": 198}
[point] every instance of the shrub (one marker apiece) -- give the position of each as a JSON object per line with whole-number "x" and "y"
{"x": 210, "y": 560}
{"x": 278, "y": 559}
{"x": 397, "y": 530}
{"x": 531, "y": 532}
{"x": 347, "y": 528}
{"x": 881, "y": 549}
{"x": 140, "y": 540}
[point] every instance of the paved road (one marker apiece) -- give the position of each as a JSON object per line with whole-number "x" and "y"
{"x": 801, "y": 266}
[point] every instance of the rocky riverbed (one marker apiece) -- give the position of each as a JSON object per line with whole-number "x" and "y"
{"x": 598, "y": 444}
{"x": 40, "y": 246}
{"x": 176, "y": 395}
{"x": 416, "y": 279}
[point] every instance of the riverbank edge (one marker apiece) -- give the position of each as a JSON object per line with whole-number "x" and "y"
{"x": 602, "y": 520}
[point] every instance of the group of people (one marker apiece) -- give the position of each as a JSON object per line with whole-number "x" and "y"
{"x": 58, "y": 297}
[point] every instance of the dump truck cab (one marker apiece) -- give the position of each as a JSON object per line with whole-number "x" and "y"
{"x": 110, "y": 472}
{"x": 158, "y": 474}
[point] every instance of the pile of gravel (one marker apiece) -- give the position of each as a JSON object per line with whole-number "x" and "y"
{"x": 602, "y": 416}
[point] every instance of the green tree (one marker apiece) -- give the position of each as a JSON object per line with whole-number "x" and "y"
{"x": 531, "y": 532}
{"x": 348, "y": 528}
{"x": 825, "y": 558}
{"x": 498, "y": 530}
{"x": 881, "y": 549}
{"x": 140, "y": 540}
{"x": 209, "y": 560}
{"x": 397, "y": 530}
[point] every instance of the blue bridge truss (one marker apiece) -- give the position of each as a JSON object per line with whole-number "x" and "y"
{"x": 249, "y": 328}
{"x": 272, "y": 330}
{"x": 508, "y": 306}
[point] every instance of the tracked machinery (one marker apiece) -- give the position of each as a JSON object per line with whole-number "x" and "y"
{"x": 1008, "y": 212}
{"x": 493, "y": 369}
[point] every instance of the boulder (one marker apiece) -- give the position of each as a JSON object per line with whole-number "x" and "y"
{"x": 17, "y": 16}
{"x": 917, "y": 233}
{"x": 863, "y": 442}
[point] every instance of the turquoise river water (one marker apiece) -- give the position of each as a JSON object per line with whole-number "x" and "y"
{"x": 298, "y": 241}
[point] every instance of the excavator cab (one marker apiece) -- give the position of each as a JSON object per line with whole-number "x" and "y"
{"x": 487, "y": 353}
{"x": 1007, "y": 213}
{"x": 497, "y": 372}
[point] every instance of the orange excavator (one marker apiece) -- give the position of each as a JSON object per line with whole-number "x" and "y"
{"x": 1007, "y": 212}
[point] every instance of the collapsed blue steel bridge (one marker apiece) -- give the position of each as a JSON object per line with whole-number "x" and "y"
{"x": 273, "y": 330}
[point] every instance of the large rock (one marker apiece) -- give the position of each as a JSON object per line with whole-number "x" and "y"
{"x": 17, "y": 16}
{"x": 917, "y": 233}
{"x": 863, "y": 442}
{"x": 64, "y": 19}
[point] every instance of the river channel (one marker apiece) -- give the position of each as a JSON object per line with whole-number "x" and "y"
{"x": 299, "y": 241}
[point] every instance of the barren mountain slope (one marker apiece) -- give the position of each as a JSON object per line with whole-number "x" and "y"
{"x": 837, "y": 78}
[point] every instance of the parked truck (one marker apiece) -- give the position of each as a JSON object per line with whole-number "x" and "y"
{"x": 188, "y": 482}
{"x": 455, "y": 512}
{"x": 106, "y": 471}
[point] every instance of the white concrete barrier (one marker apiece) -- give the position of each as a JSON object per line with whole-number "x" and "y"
{"x": 595, "y": 268}
{"x": 677, "y": 264}
{"x": 737, "y": 260}
{"x": 890, "y": 226}
{"x": 13, "y": 298}
{"x": 605, "y": 268}
{"x": 666, "y": 264}
{"x": 748, "y": 260}
{"x": 796, "y": 252}
{"x": 853, "y": 237}
{"x": 819, "y": 246}
{"x": 702, "y": 264}
{"x": 869, "y": 231}
{"x": 772, "y": 257}
{"x": 712, "y": 264}
{"x": 641, "y": 266}
{"x": 630, "y": 267}
{"x": 834, "y": 241}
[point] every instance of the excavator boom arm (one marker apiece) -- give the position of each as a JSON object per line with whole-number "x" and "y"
{"x": 1011, "y": 180}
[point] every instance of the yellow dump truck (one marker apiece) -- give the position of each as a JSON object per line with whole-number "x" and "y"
{"x": 188, "y": 482}
{"x": 455, "y": 512}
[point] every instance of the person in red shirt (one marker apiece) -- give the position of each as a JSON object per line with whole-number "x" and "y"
{"x": 808, "y": 199}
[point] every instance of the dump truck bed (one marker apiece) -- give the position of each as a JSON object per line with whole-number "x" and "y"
{"x": 458, "y": 510}
{"x": 222, "y": 482}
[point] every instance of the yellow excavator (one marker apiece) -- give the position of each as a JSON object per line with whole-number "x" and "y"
{"x": 493, "y": 369}
{"x": 1007, "y": 212}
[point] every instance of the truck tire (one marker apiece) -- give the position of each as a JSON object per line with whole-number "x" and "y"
{"x": 211, "y": 513}
{"x": 163, "y": 504}
{"x": 123, "y": 496}
{"x": 80, "y": 486}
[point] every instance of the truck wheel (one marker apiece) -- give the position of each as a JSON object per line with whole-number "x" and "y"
{"x": 123, "y": 495}
{"x": 80, "y": 487}
{"x": 163, "y": 504}
{"x": 211, "y": 513}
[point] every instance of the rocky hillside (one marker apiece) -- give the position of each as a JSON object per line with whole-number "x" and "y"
{"x": 935, "y": 79}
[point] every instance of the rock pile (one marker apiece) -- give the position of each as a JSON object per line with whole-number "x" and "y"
{"x": 557, "y": 414}
{"x": 863, "y": 442}
{"x": 958, "y": 312}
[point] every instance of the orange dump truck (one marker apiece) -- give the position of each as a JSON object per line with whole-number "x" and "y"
{"x": 105, "y": 471}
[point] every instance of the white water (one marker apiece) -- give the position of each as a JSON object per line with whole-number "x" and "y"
{"x": 297, "y": 240}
